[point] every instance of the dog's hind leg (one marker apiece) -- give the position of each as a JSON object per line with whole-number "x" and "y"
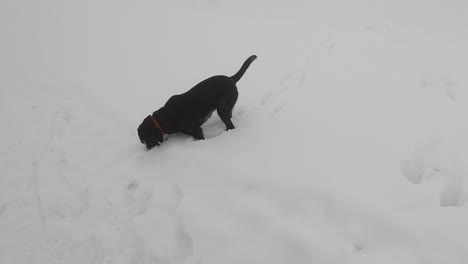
{"x": 225, "y": 113}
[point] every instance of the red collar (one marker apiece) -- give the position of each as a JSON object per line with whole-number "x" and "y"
{"x": 155, "y": 122}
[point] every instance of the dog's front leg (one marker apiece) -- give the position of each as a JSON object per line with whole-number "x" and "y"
{"x": 196, "y": 133}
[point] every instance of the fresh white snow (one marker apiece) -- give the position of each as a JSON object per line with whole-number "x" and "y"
{"x": 350, "y": 143}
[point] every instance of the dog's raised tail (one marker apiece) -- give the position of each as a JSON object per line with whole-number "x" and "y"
{"x": 236, "y": 77}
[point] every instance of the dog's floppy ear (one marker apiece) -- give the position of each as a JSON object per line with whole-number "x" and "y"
{"x": 149, "y": 134}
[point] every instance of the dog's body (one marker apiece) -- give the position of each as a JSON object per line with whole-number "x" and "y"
{"x": 188, "y": 111}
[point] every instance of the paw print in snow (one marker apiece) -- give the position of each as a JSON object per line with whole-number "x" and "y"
{"x": 428, "y": 163}
{"x": 439, "y": 83}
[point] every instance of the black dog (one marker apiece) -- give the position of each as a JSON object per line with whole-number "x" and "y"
{"x": 188, "y": 111}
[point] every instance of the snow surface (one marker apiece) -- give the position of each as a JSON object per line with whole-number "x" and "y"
{"x": 350, "y": 143}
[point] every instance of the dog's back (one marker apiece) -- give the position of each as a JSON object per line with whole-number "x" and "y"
{"x": 215, "y": 92}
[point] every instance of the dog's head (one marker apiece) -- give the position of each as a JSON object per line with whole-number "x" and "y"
{"x": 149, "y": 134}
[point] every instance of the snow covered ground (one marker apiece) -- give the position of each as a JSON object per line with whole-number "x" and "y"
{"x": 350, "y": 143}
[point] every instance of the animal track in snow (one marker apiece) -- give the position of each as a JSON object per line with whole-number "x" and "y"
{"x": 297, "y": 77}
{"x": 138, "y": 198}
{"x": 57, "y": 171}
{"x": 328, "y": 44}
{"x": 429, "y": 163}
{"x": 133, "y": 185}
{"x": 278, "y": 109}
{"x": 302, "y": 78}
{"x": 439, "y": 83}
{"x": 386, "y": 32}
{"x": 293, "y": 80}
{"x": 423, "y": 164}
{"x": 3, "y": 208}
{"x": 153, "y": 205}
{"x": 279, "y": 89}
